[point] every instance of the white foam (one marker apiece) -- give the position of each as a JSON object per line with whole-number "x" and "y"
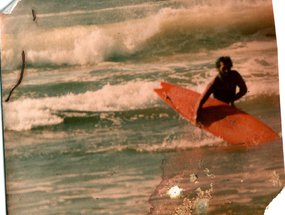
{"x": 28, "y": 113}
{"x": 81, "y": 45}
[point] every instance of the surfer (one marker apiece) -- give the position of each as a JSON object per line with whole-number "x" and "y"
{"x": 223, "y": 86}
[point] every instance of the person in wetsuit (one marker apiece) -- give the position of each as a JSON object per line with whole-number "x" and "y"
{"x": 223, "y": 86}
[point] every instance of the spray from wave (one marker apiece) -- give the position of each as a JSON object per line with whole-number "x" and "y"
{"x": 188, "y": 28}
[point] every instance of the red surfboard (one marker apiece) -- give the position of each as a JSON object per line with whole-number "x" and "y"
{"x": 222, "y": 120}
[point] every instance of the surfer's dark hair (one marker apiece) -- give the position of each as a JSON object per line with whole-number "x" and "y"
{"x": 226, "y": 60}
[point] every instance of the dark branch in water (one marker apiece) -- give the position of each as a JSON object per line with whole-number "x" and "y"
{"x": 34, "y": 15}
{"x": 21, "y": 76}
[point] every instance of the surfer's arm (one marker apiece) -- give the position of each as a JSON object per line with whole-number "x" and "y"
{"x": 242, "y": 89}
{"x": 202, "y": 99}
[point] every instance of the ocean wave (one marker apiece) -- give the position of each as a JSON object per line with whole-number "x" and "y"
{"x": 167, "y": 31}
{"x": 25, "y": 114}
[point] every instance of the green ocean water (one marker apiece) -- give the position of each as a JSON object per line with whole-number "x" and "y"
{"x": 85, "y": 133}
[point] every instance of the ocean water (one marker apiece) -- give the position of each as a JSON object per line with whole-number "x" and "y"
{"x": 84, "y": 133}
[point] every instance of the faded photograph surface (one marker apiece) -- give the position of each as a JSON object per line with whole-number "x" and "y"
{"x": 106, "y": 107}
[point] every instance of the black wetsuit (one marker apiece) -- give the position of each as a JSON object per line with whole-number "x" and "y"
{"x": 224, "y": 88}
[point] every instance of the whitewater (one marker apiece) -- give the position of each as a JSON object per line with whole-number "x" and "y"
{"x": 84, "y": 133}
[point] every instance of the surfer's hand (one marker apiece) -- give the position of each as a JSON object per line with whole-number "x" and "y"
{"x": 197, "y": 122}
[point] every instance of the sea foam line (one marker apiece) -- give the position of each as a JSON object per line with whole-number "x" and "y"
{"x": 25, "y": 114}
